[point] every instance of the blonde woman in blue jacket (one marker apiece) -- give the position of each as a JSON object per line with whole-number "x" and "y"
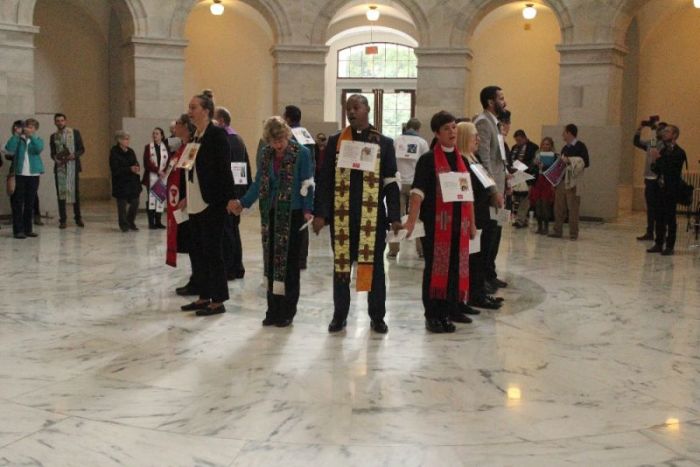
{"x": 26, "y": 148}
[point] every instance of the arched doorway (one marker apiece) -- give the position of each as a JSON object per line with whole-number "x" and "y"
{"x": 84, "y": 73}
{"x": 521, "y": 57}
{"x": 230, "y": 54}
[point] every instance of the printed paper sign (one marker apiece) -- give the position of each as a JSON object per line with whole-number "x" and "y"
{"x": 407, "y": 150}
{"x": 483, "y": 175}
{"x": 456, "y": 187}
{"x": 358, "y": 155}
{"x": 189, "y": 156}
{"x": 475, "y": 243}
{"x": 180, "y": 216}
{"x": 517, "y": 165}
{"x": 240, "y": 173}
{"x": 303, "y": 136}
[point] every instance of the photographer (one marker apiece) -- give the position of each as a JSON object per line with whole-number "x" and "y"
{"x": 668, "y": 165}
{"x": 651, "y": 187}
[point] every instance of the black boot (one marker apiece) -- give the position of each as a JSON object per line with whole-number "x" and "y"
{"x": 151, "y": 219}
{"x": 156, "y": 220}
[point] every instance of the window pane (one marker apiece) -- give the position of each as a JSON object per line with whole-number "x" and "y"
{"x": 344, "y": 54}
{"x": 390, "y": 61}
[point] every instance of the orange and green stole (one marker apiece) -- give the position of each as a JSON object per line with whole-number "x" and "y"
{"x": 368, "y": 219}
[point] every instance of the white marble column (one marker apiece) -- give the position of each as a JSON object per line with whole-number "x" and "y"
{"x": 443, "y": 78}
{"x": 299, "y": 79}
{"x": 159, "y": 68}
{"x": 590, "y": 96}
{"x": 17, "y": 68}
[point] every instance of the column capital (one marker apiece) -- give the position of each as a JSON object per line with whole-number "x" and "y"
{"x": 17, "y": 36}
{"x": 299, "y": 54}
{"x": 592, "y": 54}
{"x": 158, "y": 48}
{"x": 443, "y": 57}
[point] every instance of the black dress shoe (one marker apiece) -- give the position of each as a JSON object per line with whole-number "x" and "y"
{"x": 232, "y": 276}
{"x": 467, "y": 310}
{"x": 194, "y": 306}
{"x": 499, "y": 283}
{"x": 337, "y": 325}
{"x": 20, "y": 236}
{"x": 32, "y": 234}
{"x": 460, "y": 318}
{"x": 379, "y": 326}
{"x": 434, "y": 325}
{"x": 484, "y": 303}
{"x": 79, "y": 223}
{"x": 133, "y": 227}
{"x": 187, "y": 289}
{"x": 62, "y": 225}
{"x": 495, "y": 299}
{"x": 447, "y": 325}
{"x": 209, "y": 310}
{"x": 124, "y": 229}
{"x": 160, "y": 226}
{"x": 645, "y": 237}
{"x": 269, "y": 320}
{"x": 283, "y": 323}
{"x": 666, "y": 252}
{"x": 655, "y": 249}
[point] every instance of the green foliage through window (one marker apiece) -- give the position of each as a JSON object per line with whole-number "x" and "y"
{"x": 391, "y": 61}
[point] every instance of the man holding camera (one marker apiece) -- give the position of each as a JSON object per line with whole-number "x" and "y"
{"x": 667, "y": 163}
{"x": 651, "y": 187}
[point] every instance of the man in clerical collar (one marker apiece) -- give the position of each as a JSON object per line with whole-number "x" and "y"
{"x": 359, "y": 206}
{"x": 66, "y": 151}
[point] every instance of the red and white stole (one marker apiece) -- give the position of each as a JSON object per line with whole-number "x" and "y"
{"x": 173, "y": 184}
{"x": 443, "y": 234}
{"x": 154, "y": 157}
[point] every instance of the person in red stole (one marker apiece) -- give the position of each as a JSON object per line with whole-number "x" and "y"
{"x": 448, "y": 228}
{"x": 178, "y": 233}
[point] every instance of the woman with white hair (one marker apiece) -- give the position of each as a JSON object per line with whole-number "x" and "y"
{"x": 126, "y": 185}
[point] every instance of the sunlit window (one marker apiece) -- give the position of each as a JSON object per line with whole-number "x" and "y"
{"x": 390, "y": 61}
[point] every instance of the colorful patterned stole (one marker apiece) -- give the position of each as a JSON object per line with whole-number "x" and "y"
{"x": 443, "y": 234}
{"x": 65, "y": 170}
{"x": 368, "y": 218}
{"x": 282, "y": 204}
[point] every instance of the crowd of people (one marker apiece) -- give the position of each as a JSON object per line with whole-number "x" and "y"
{"x": 452, "y": 196}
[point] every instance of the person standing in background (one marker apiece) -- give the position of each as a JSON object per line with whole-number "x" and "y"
{"x": 66, "y": 151}
{"x": 126, "y": 186}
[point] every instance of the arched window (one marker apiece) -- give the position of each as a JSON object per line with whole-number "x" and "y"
{"x": 377, "y": 60}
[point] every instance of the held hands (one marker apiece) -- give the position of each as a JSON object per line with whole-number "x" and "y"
{"x": 182, "y": 205}
{"x": 409, "y": 226}
{"x": 234, "y": 207}
{"x": 308, "y": 216}
{"x": 318, "y": 224}
{"x": 136, "y": 169}
{"x": 396, "y": 227}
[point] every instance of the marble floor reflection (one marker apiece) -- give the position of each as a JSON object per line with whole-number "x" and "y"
{"x": 594, "y": 360}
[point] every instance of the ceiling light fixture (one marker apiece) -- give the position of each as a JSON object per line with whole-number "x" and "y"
{"x": 216, "y": 8}
{"x": 529, "y": 12}
{"x": 373, "y": 13}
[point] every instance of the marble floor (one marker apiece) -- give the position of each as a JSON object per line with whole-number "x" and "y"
{"x": 594, "y": 360}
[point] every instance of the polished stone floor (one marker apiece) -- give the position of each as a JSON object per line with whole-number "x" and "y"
{"x": 594, "y": 360}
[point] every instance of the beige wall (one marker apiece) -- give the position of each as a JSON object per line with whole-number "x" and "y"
{"x": 668, "y": 77}
{"x": 71, "y": 66}
{"x": 230, "y": 54}
{"x": 524, "y": 63}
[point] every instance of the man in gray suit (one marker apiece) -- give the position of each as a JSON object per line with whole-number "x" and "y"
{"x": 492, "y": 154}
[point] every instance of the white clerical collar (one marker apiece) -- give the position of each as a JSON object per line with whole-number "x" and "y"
{"x": 446, "y": 149}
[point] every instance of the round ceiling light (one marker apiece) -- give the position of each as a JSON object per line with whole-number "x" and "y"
{"x": 373, "y": 13}
{"x": 216, "y": 8}
{"x": 529, "y": 12}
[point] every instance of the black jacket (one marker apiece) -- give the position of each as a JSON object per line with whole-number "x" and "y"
{"x": 577, "y": 150}
{"x": 214, "y": 167}
{"x": 125, "y": 183}
{"x": 669, "y": 168}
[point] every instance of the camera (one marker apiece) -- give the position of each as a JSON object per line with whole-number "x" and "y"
{"x": 651, "y": 123}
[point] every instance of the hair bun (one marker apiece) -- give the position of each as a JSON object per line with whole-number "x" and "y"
{"x": 209, "y": 93}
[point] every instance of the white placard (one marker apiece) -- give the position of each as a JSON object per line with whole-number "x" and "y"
{"x": 483, "y": 175}
{"x": 475, "y": 243}
{"x": 518, "y": 178}
{"x": 407, "y": 150}
{"x": 189, "y": 156}
{"x": 240, "y": 173}
{"x": 456, "y": 187}
{"x": 502, "y": 216}
{"x": 303, "y": 136}
{"x": 306, "y": 224}
{"x": 358, "y": 155}
{"x": 517, "y": 165}
{"x": 180, "y": 216}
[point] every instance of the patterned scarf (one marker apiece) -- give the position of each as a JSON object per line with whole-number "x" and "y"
{"x": 443, "y": 234}
{"x": 65, "y": 170}
{"x": 282, "y": 205}
{"x": 154, "y": 203}
{"x": 368, "y": 219}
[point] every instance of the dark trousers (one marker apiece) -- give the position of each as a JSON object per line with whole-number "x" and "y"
{"x": 154, "y": 217}
{"x": 376, "y": 298}
{"x": 438, "y": 308}
{"x": 62, "y": 216}
{"x": 666, "y": 220}
{"x": 476, "y": 276}
{"x": 126, "y": 212}
{"x": 281, "y": 307}
{"x": 233, "y": 249}
{"x": 490, "y": 241}
{"x": 23, "y": 203}
{"x": 304, "y": 248}
{"x": 652, "y": 197}
{"x": 207, "y": 229}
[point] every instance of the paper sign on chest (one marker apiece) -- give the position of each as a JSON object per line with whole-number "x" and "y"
{"x": 456, "y": 187}
{"x": 189, "y": 156}
{"x": 358, "y": 155}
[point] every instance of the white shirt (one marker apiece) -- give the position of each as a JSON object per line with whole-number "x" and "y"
{"x": 407, "y": 165}
{"x": 195, "y": 201}
{"x": 26, "y": 169}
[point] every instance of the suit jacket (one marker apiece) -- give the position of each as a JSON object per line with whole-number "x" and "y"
{"x": 490, "y": 150}
{"x": 669, "y": 168}
{"x": 79, "y": 148}
{"x": 214, "y": 167}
